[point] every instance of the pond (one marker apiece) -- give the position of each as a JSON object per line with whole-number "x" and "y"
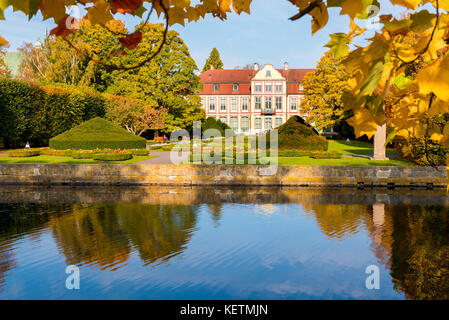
{"x": 223, "y": 243}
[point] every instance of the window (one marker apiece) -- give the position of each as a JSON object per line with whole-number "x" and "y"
{"x": 268, "y": 88}
{"x": 268, "y": 123}
{"x": 203, "y": 104}
{"x": 234, "y": 123}
{"x": 294, "y": 104}
{"x": 216, "y": 87}
{"x": 258, "y": 103}
{"x": 258, "y": 124}
{"x": 278, "y": 103}
{"x": 278, "y": 122}
{"x": 212, "y": 105}
{"x": 268, "y": 74}
{"x": 234, "y": 104}
{"x": 244, "y": 124}
{"x": 245, "y": 104}
{"x": 258, "y": 88}
{"x": 235, "y": 87}
{"x": 300, "y": 87}
{"x": 224, "y": 120}
{"x": 279, "y": 88}
{"x": 223, "y": 104}
{"x": 268, "y": 104}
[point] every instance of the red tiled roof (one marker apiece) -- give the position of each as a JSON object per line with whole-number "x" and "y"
{"x": 226, "y": 79}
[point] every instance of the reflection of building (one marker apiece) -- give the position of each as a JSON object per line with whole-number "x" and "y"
{"x": 251, "y": 101}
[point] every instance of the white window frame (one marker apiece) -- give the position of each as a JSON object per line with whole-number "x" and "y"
{"x": 295, "y": 105}
{"x": 258, "y": 103}
{"x": 212, "y": 104}
{"x": 269, "y": 100}
{"x": 221, "y": 105}
{"x": 245, "y": 103}
{"x": 241, "y": 124}
{"x": 277, "y": 100}
{"x": 265, "y": 122}
{"x": 234, "y": 102}
{"x": 255, "y": 123}
{"x": 276, "y": 125}
{"x": 258, "y": 86}
{"x": 269, "y": 86}
{"x": 278, "y": 86}
{"x": 230, "y": 123}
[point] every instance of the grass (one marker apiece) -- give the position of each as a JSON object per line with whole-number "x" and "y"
{"x": 355, "y": 147}
{"x": 67, "y": 160}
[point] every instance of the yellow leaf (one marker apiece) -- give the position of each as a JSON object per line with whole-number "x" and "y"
{"x": 100, "y": 13}
{"x": 434, "y": 78}
{"x": 3, "y": 42}
{"x": 53, "y": 9}
{"x": 363, "y": 123}
{"x": 241, "y": 6}
{"x": 437, "y": 137}
{"x": 411, "y": 4}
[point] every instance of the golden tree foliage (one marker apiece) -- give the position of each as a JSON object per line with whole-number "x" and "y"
{"x": 380, "y": 91}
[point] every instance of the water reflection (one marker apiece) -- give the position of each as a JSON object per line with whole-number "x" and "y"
{"x": 253, "y": 231}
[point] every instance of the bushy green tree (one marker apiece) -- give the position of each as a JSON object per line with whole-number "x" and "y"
{"x": 214, "y": 60}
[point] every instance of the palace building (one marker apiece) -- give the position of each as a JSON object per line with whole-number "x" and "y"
{"x": 252, "y": 101}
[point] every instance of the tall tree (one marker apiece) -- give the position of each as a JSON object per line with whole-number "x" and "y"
{"x": 323, "y": 91}
{"x": 35, "y": 63}
{"x": 214, "y": 60}
{"x": 4, "y": 70}
{"x": 168, "y": 81}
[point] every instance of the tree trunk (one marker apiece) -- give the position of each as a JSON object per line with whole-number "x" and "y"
{"x": 380, "y": 139}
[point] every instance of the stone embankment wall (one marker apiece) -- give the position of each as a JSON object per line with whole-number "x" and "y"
{"x": 226, "y": 175}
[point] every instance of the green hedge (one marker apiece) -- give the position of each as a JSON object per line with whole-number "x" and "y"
{"x": 56, "y": 153}
{"x": 97, "y": 133}
{"x": 111, "y": 156}
{"x": 212, "y": 123}
{"x": 36, "y": 114}
{"x": 139, "y": 153}
{"x": 24, "y": 153}
{"x": 82, "y": 155}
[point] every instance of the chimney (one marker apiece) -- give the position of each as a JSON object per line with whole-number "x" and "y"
{"x": 256, "y": 66}
{"x": 286, "y": 66}
{"x": 211, "y": 67}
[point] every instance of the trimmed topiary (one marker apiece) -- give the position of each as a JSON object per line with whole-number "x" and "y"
{"x": 212, "y": 123}
{"x": 139, "y": 153}
{"x": 295, "y": 134}
{"x": 113, "y": 156}
{"x": 23, "y": 153}
{"x": 97, "y": 133}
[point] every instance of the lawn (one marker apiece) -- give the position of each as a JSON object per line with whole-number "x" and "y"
{"x": 355, "y": 147}
{"x": 66, "y": 160}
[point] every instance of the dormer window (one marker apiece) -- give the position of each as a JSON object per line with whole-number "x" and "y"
{"x": 300, "y": 87}
{"x": 235, "y": 87}
{"x": 216, "y": 87}
{"x": 268, "y": 74}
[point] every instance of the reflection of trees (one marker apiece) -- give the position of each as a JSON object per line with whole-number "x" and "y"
{"x": 158, "y": 232}
{"x": 420, "y": 251}
{"x": 91, "y": 235}
{"x": 103, "y": 235}
{"x": 6, "y": 262}
{"x": 338, "y": 221}
{"x": 215, "y": 211}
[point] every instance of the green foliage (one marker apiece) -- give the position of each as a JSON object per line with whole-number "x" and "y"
{"x": 113, "y": 156}
{"x": 296, "y": 134}
{"x": 97, "y": 133}
{"x": 214, "y": 60}
{"x": 140, "y": 153}
{"x": 212, "y": 123}
{"x": 424, "y": 152}
{"x": 83, "y": 154}
{"x": 35, "y": 114}
{"x": 56, "y": 153}
{"x": 23, "y": 153}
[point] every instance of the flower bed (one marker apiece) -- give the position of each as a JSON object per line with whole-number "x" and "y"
{"x": 85, "y": 154}
{"x": 113, "y": 156}
{"x": 23, "y": 153}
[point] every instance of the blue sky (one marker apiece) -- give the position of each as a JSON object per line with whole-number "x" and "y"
{"x": 265, "y": 36}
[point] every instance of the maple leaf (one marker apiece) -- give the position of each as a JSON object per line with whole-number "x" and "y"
{"x": 100, "y": 13}
{"x": 131, "y": 41}
{"x": 62, "y": 30}
{"x": 126, "y": 6}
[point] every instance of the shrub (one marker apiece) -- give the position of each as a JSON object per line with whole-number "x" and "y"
{"x": 83, "y": 154}
{"x": 24, "y": 153}
{"x": 296, "y": 134}
{"x": 113, "y": 156}
{"x": 56, "y": 153}
{"x": 326, "y": 155}
{"x": 140, "y": 153}
{"x": 35, "y": 114}
{"x": 434, "y": 154}
{"x": 212, "y": 123}
{"x": 97, "y": 133}
{"x": 159, "y": 140}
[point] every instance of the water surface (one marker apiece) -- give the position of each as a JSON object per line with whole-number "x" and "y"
{"x": 187, "y": 243}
